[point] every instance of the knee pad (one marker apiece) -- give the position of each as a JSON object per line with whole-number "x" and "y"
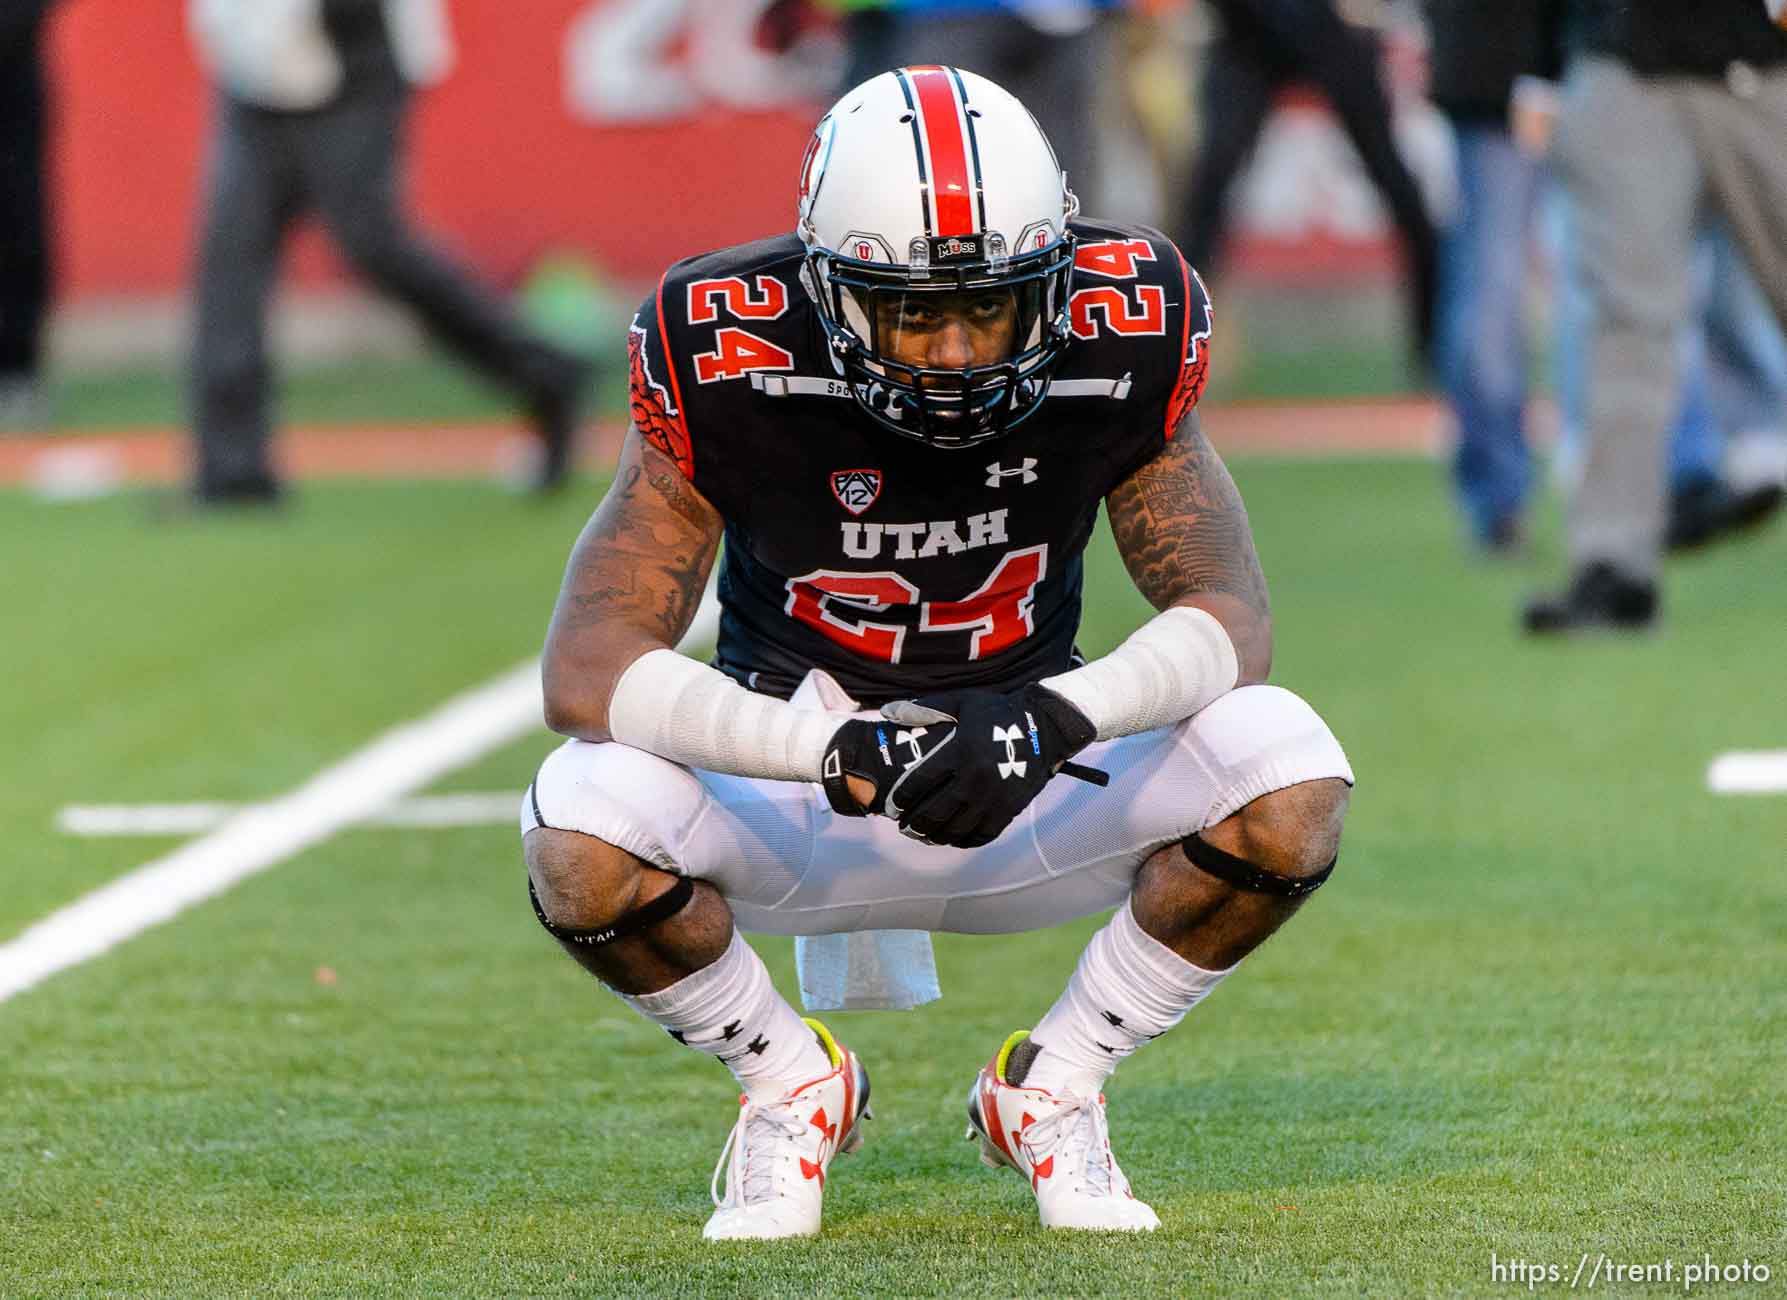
{"x": 661, "y": 908}
{"x": 1243, "y": 874}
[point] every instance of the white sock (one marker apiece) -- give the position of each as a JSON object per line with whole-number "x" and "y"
{"x": 731, "y": 1010}
{"x": 1128, "y": 989}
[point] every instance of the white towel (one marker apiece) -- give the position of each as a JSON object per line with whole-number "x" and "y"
{"x": 871, "y": 970}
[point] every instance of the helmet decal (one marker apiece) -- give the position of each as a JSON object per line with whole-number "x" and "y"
{"x": 866, "y": 246}
{"x": 812, "y": 166}
{"x": 969, "y": 114}
{"x": 940, "y": 133}
{"x": 1039, "y": 235}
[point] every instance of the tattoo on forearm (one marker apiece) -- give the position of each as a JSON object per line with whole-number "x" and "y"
{"x": 601, "y": 598}
{"x": 638, "y": 562}
{"x": 674, "y": 488}
{"x": 1182, "y": 529}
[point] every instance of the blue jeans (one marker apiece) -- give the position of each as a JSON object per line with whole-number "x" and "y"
{"x": 1746, "y": 355}
{"x": 1482, "y": 331}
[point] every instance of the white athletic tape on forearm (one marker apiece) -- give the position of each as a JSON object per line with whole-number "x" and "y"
{"x": 1170, "y": 667}
{"x": 676, "y": 708}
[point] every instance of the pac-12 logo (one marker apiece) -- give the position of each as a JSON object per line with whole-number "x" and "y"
{"x": 856, "y": 489}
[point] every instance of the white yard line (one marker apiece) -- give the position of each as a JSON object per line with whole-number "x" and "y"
{"x": 261, "y": 836}
{"x": 423, "y": 811}
{"x": 143, "y": 818}
{"x": 1756, "y": 771}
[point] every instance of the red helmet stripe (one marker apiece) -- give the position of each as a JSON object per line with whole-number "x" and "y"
{"x": 952, "y": 189}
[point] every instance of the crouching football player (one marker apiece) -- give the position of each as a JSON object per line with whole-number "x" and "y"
{"x": 901, "y": 419}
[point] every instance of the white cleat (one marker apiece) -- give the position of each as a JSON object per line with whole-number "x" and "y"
{"x": 780, "y": 1150}
{"x": 1061, "y": 1144}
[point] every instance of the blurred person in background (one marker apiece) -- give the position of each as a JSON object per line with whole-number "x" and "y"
{"x": 1670, "y": 113}
{"x": 24, "y": 217}
{"x": 1266, "y": 45}
{"x": 1493, "y": 75}
{"x": 311, "y": 105}
{"x": 1477, "y": 51}
{"x": 1046, "y": 52}
{"x": 1725, "y": 462}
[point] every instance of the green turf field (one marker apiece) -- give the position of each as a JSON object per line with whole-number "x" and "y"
{"x": 1539, "y": 1012}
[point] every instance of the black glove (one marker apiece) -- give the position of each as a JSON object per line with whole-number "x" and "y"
{"x": 881, "y": 753}
{"x": 1000, "y": 750}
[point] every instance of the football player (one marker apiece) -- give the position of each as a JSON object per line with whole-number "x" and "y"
{"x": 901, "y": 419}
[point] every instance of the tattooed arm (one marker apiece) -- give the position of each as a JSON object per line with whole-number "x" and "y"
{"x": 1183, "y": 533}
{"x": 632, "y": 584}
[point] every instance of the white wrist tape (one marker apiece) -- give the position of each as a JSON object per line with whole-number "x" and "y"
{"x": 1169, "y": 668}
{"x": 676, "y": 708}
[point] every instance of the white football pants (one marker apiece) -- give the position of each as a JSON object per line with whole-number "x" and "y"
{"x": 787, "y": 864}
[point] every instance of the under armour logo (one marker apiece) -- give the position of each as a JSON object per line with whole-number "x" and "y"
{"x": 996, "y": 473}
{"x": 910, "y": 740}
{"x": 756, "y": 1047}
{"x": 1009, "y": 737}
{"x": 1116, "y": 1022}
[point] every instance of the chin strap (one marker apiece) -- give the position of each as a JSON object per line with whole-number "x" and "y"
{"x": 1243, "y": 874}
{"x": 661, "y": 908}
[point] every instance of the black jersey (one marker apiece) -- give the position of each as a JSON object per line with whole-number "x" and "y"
{"x": 898, "y": 567}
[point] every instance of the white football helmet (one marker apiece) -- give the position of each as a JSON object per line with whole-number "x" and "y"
{"x": 929, "y": 190}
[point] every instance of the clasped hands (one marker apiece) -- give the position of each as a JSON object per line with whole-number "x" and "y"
{"x": 956, "y": 767}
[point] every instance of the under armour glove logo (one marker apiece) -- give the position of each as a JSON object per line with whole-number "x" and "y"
{"x": 911, "y": 740}
{"x": 874, "y": 752}
{"x": 1013, "y": 765}
{"x": 995, "y": 754}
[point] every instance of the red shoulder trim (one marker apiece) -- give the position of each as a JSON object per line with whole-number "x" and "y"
{"x": 1194, "y": 350}
{"x": 657, "y": 410}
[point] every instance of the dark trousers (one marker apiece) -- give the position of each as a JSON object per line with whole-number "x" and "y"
{"x": 1265, "y": 44}
{"x": 342, "y": 162}
{"x": 24, "y": 241}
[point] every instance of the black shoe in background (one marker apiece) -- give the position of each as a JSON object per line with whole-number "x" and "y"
{"x": 253, "y": 496}
{"x": 1711, "y": 509}
{"x": 1599, "y": 598}
{"x": 260, "y": 490}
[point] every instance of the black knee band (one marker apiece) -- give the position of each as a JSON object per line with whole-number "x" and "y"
{"x": 1242, "y": 874}
{"x": 661, "y": 908}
